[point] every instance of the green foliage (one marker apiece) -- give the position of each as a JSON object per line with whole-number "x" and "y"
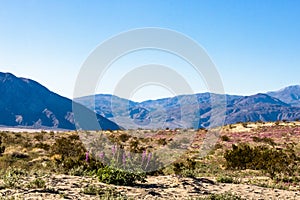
{"x": 12, "y": 177}
{"x": 37, "y": 183}
{"x": 72, "y": 158}
{"x": 273, "y": 161}
{"x": 116, "y": 176}
{"x": 92, "y": 190}
{"x": 227, "y": 179}
{"x": 184, "y": 168}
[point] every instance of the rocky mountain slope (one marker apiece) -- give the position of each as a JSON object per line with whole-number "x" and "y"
{"x": 290, "y": 95}
{"x": 24, "y": 102}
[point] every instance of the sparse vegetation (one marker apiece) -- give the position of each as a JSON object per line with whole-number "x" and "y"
{"x": 239, "y": 156}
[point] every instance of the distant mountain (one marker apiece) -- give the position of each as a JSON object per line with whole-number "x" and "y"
{"x": 168, "y": 112}
{"x": 25, "y": 102}
{"x": 290, "y": 95}
{"x": 260, "y": 107}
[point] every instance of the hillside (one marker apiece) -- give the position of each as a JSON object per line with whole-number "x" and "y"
{"x": 27, "y": 103}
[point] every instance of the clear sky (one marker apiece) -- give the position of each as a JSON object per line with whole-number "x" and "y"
{"x": 255, "y": 44}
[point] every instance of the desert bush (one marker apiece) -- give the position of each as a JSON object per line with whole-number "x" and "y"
{"x": 162, "y": 141}
{"x": 275, "y": 162}
{"x": 134, "y": 146}
{"x": 42, "y": 145}
{"x": 75, "y": 161}
{"x": 11, "y": 178}
{"x": 245, "y": 124}
{"x": 227, "y": 179}
{"x": 266, "y": 140}
{"x": 39, "y": 137}
{"x": 72, "y": 155}
{"x": 225, "y": 138}
{"x": 117, "y": 176}
{"x": 37, "y": 183}
{"x": 185, "y": 167}
{"x": 124, "y": 137}
{"x": 2, "y": 148}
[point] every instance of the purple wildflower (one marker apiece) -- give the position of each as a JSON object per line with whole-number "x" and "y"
{"x": 149, "y": 158}
{"x": 87, "y": 156}
{"x": 113, "y": 150}
{"x": 124, "y": 158}
{"x": 101, "y": 155}
{"x": 143, "y": 156}
{"x": 129, "y": 155}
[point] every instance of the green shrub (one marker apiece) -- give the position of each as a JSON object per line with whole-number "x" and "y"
{"x": 271, "y": 160}
{"x": 37, "y": 183}
{"x": 42, "y": 145}
{"x": 12, "y": 177}
{"x": 116, "y": 176}
{"x": 185, "y": 168}
{"x": 228, "y": 179}
{"x": 225, "y": 179}
{"x": 73, "y": 155}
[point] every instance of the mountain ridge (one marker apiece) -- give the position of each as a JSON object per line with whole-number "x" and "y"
{"x": 166, "y": 111}
{"x": 25, "y": 102}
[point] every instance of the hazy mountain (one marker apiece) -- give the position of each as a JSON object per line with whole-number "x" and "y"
{"x": 25, "y": 102}
{"x": 290, "y": 95}
{"x": 196, "y": 110}
{"x": 260, "y": 107}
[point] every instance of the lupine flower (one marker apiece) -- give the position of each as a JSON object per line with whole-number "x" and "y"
{"x": 143, "y": 156}
{"x": 129, "y": 155}
{"x": 87, "y": 156}
{"x": 113, "y": 150}
{"x": 124, "y": 158}
{"x": 101, "y": 155}
{"x": 149, "y": 158}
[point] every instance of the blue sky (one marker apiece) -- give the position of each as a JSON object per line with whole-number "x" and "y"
{"x": 255, "y": 45}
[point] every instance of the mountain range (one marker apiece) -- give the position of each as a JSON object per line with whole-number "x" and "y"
{"x": 27, "y": 103}
{"x": 169, "y": 113}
